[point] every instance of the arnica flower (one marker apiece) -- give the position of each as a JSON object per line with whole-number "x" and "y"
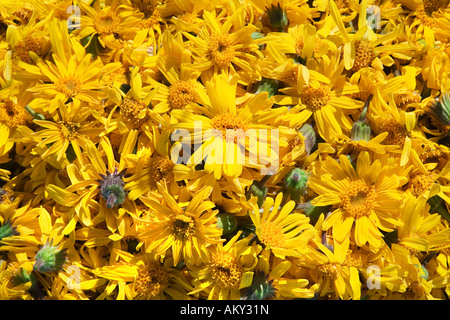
{"x": 229, "y": 270}
{"x": 112, "y": 187}
{"x": 49, "y": 258}
{"x": 328, "y": 270}
{"x": 366, "y": 199}
{"x": 186, "y": 227}
{"x": 279, "y": 229}
{"x": 273, "y": 281}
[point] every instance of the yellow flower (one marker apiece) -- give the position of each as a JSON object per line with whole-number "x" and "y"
{"x": 187, "y": 227}
{"x": 231, "y": 137}
{"x": 106, "y": 22}
{"x": 365, "y": 199}
{"x": 283, "y": 232}
{"x": 229, "y": 269}
{"x": 329, "y": 271}
{"x": 226, "y": 47}
{"x": 68, "y": 127}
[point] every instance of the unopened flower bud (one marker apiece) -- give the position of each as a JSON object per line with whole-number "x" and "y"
{"x": 7, "y": 230}
{"x": 277, "y": 17}
{"x": 310, "y": 137}
{"x": 441, "y": 109}
{"x": 296, "y": 183}
{"x": 49, "y": 258}
{"x": 258, "y": 190}
{"x": 227, "y": 222}
{"x": 112, "y": 188}
{"x": 268, "y": 85}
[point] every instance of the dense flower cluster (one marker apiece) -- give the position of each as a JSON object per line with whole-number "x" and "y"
{"x": 331, "y": 119}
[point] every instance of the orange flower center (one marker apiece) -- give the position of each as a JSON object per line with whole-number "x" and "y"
{"x": 130, "y": 110}
{"x": 420, "y": 183}
{"x": 106, "y": 22}
{"x": 358, "y": 200}
{"x": 315, "y": 98}
{"x": 12, "y": 114}
{"x": 26, "y": 45}
{"x": 181, "y": 94}
{"x": 271, "y": 234}
{"x": 68, "y": 129}
{"x": 364, "y": 55}
{"x": 69, "y": 85}
{"x": 397, "y": 133}
{"x": 151, "y": 280}
{"x": 225, "y": 271}
{"x": 220, "y": 49}
{"x": 329, "y": 269}
{"x": 230, "y": 126}
{"x": 162, "y": 169}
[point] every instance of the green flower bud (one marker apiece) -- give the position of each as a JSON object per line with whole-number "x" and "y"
{"x": 7, "y": 230}
{"x": 227, "y": 222}
{"x": 313, "y": 212}
{"x": 361, "y": 129}
{"x": 296, "y": 183}
{"x": 112, "y": 188}
{"x": 49, "y": 258}
{"x": 441, "y": 109}
{"x": 277, "y": 17}
{"x": 268, "y": 85}
{"x": 259, "y": 190}
{"x": 261, "y": 288}
{"x": 310, "y": 137}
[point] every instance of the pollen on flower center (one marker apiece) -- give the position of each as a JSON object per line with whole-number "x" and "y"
{"x": 130, "y": 110}
{"x": 271, "y": 234}
{"x": 397, "y": 133}
{"x": 106, "y": 22}
{"x": 69, "y": 85}
{"x": 26, "y": 45}
{"x": 364, "y": 55}
{"x": 358, "y": 200}
{"x": 12, "y": 114}
{"x": 329, "y": 269}
{"x": 69, "y": 129}
{"x": 181, "y": 94}
{"x": 225, "y": 271}
{"x": 220, "y": 49}
{"x": 183, "y": 226}
{"x": 420, "y": 183}
{"x": 162, "y": 169}
{"x": 315, "y": 98}
{"x": 229, "y": 126}
{"x": 151, "y": 280}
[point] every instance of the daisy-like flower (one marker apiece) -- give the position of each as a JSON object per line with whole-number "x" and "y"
{"x": 229, "y": 134}
{"x": 365, "y": 199}
{"x": 174, "y": 62}
{"x": 187, "y": 226}
{"x": 135, "y": 110}
{"x": 419, "y": 231}
{"x": 109, "y": 21}
{"x": 68, "y": 127}
{"x": 229, "y": 270}
{"x": 72, "y": 74}
{"x": 154, "y": 165}
{"x": 319, "y": 91}
{"x": 272, "y": 281}
{"x": 146, "y": 277}
{"x": 279, "y": 229}
{"x": 328, "y": 270}
{"x": 224, "y": 46}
